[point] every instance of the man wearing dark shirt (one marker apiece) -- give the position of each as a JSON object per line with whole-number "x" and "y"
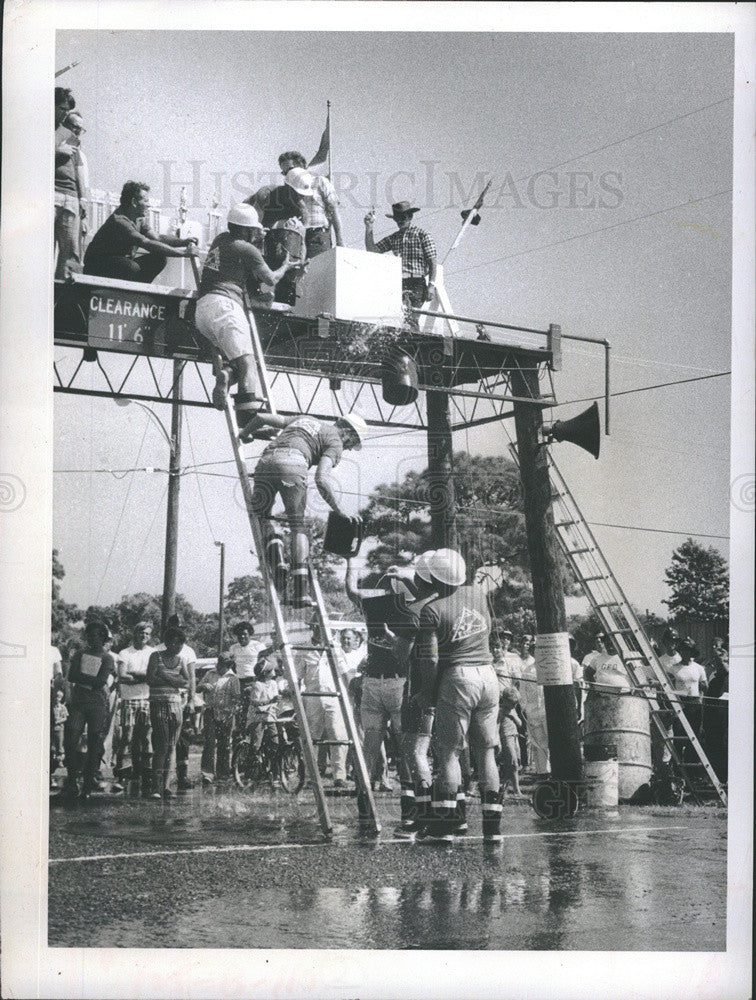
{"x": 88, "y": 675}
{"x": 387, "y": 614}
{"x": 126, "y": 247}
{"x": 234, "y": 277}
{"x": 302, "y": 442}
{"x": 458, "y": 678}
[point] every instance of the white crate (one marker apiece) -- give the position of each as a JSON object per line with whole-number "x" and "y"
{"x": 353, "y": 285}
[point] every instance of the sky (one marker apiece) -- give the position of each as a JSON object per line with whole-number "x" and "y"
{"x": 636, "y": 131}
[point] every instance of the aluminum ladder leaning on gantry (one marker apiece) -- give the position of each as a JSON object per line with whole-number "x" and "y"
{"x": 620, "y": 622}
{"x": 283, "y": 643}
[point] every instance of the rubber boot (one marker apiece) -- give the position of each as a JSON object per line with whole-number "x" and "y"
{"x": 246, "y": 407}
{"x": 274, "y": 556}
{"x": 441, "y": 824}
{"x": 408, "y": 824}
{"x": 460, "y": 814}
{"x": 492, "y": 810}
{"x": 300, "y": 588}
{"x": 182, "y": 774}
{"x": 147, "y": 782}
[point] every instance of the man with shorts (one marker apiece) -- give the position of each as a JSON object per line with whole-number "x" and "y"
{"x": 302, "y": 442}
{"x": 232, "y": 280}
{"x": 457, "y": 677}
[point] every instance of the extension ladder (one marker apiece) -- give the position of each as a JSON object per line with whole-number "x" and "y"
{"x": 619, "y": 621}
{"x": 368, "y": 813}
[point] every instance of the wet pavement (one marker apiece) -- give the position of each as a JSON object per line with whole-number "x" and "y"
{"x": 222, "y": 868}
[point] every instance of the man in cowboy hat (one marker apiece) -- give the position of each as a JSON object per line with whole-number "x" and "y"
{"x": 414, "y": 246}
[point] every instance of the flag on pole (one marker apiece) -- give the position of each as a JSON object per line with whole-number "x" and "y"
{"x": 324, "y": 148}
{"x": 470, "y": 217}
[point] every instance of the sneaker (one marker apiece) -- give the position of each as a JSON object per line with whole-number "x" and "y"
{"x": 339, "y": 783}
{"x": 433, "y": 834}
{"x": 116, "y": 787}
{"x": 154, "y": 795}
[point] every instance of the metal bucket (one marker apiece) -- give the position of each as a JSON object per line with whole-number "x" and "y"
{"x": 399, "y": 378}
{"x": 278, "y": 241}
{"x": 623, "y": 721}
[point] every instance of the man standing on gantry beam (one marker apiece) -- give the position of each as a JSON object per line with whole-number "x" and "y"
{"x": 302, "y": 442}
{"x": 234, "y": 278}
{"x": 415, "y": 247}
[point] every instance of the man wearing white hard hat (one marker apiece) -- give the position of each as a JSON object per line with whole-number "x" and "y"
{"x": 458, "y": 679}
{"x": 386, "y": 612}
{"x": 417, "y": 724}
{"x": 302, "y": 442}
{"x": 234, "y": 278}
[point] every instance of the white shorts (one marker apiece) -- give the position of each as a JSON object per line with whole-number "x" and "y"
{"x": 222, "y": 321}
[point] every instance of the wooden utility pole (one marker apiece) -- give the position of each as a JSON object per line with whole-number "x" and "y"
{"x": 443, "y": 508}
{"x": 222, "y": 587}
{"x": 174, "y": 486}
{"x": 543, "y": 547}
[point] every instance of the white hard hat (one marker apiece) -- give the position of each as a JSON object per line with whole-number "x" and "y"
{"x": 244, "y": 215}
{"x": 421, "y": 565}
{"x": 447, "y": 566}
{"x": 301, "y": 180}
{"x": 356, "y": 422}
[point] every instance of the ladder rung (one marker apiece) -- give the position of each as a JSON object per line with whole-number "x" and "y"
{"x": 320, "y": 649}
{"x": 332, "y": 743}
{"x": 609, "y": 604}
{"x": 320, "y": 694}
{"x": 564, "y": 524}
{"x": 589, "y": 579}
{"x": 616, "y": 631}
{"x": 578, "y": 552}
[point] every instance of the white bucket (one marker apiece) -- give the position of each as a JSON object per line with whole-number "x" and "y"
{"x": 601, "y": 784}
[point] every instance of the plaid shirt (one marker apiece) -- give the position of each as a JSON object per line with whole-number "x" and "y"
{"x": 414, "y": 246}
{"x": 314, "y": 210}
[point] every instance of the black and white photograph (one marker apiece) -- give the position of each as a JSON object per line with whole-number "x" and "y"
{"x": 377, "y": 500}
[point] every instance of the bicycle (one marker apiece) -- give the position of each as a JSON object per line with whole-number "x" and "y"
{"x": 272, "y": 762}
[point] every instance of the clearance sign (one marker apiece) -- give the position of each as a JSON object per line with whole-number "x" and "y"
{"x": 124, "y": 321}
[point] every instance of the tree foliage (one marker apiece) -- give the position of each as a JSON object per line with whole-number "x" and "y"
{"x": 490, "y": 529}
{"x": 698, "y": 579}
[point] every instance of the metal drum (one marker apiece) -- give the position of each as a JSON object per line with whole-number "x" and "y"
{"x": 277, "y": 241}
{"x": 622, "y": 720}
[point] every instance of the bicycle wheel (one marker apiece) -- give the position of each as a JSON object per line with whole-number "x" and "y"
{"x": 246, "y": 766}
{"x": 292, "y": 769}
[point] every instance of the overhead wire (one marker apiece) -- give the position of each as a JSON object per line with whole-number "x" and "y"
{"x": 591, "y": 232}
{"x": 608, "y": 145}
{"x": 158, "y": 507}
{"x": 199, "y": 483}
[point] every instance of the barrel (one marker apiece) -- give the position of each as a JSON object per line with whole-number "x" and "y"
{"x": 601, "y": 774}
{"x": 343, "y": 535}
{"x": 399, "y": 378}
{"x": 621, "y": 720}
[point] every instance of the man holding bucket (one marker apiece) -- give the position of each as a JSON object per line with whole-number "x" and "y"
{"x": 302, "y": 442}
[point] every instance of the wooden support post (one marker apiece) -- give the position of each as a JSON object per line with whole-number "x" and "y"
{"x": 548, "y": 595}
{"x": 174, "y": 487}
{"x": 443, "y": 508}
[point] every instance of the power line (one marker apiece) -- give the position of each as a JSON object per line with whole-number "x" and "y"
{"x": 591, "y": 232}
{"x": 608, "y": 145}
{"x": 138, "y": 559}
{"x": 646, "y": 388}
{"x": 660, "y": 531}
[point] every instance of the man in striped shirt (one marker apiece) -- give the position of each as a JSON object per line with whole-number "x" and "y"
{"x": 414, "y": 246}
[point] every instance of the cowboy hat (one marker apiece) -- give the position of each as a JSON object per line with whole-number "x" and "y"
{"x": 400, "y": 208}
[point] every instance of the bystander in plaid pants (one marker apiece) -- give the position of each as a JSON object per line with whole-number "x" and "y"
{"x": 166, "y": 718}
{"x": 135, "y": 735}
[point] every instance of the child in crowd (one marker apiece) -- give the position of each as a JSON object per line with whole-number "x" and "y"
{"x": 263, "y": 703}
{"x": 222, "y": 700}
{"x": 58, "y": 720}
{"x": 510, "y": 724}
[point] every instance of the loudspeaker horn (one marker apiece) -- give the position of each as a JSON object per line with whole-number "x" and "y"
{"x": 584, "y": 430}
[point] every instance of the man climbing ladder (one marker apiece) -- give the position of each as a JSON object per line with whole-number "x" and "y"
{"x": 235, "y": 277}
{"x": 302, "y": 442}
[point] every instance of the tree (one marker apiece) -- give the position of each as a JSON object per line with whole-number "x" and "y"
{"x": 698, "y": 579}
{"x": 490, "y": 526}
{"x": 62, "y": 614}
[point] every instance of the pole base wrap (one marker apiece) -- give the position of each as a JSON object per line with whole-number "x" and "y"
{"x": 492, "y": 810}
